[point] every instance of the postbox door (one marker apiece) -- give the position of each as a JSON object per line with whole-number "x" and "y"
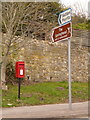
{"x": 20, "y": 70}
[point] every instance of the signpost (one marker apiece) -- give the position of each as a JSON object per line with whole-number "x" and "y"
{"x": 69, "y": 69}
{"x": 20, "y": 71}
{"x": 64, "y": 32}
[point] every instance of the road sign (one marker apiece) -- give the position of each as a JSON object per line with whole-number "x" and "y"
{"x": 61, "y": 32}
{"x": 64, "y": 17}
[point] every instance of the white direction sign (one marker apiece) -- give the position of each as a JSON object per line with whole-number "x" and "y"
{"x": 64, "y": 17}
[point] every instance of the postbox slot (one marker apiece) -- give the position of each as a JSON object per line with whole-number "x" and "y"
{"x": 21, "y": 64}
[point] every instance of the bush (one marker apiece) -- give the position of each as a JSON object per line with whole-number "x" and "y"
{"x": 10, "y": 74}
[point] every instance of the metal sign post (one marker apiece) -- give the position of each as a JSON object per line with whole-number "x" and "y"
{"x": 69, "y": 69}
{"x": 64, "y": 32}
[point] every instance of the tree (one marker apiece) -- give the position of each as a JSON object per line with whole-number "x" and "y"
{"x": 79, "y": 16}
{"x": 20, "y": 20}
{"x": 13, "y": 17}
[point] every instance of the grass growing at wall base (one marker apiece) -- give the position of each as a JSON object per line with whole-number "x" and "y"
{"x": 44, "y": 93}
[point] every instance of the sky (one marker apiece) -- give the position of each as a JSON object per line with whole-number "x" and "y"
{"x": 77, "y": 5}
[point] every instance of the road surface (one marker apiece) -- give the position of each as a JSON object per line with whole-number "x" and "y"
{"x": 79, "y": 110}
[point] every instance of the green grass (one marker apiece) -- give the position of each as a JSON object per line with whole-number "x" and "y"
{"x": 44, "y": 93}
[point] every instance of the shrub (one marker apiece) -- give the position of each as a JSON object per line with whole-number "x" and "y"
{"x": 10, "y": 74}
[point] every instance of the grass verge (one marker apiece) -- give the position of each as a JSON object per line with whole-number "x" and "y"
{"x": 44, "y": 93}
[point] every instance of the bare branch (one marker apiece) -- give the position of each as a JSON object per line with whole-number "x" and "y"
{"x": 5, "y": 24}
{"x": 16, "y": 49}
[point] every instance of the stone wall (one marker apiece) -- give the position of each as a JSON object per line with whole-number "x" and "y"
{"x": 47, "y": 61}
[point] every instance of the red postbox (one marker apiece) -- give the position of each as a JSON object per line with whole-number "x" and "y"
{"x": 20, "y": 69}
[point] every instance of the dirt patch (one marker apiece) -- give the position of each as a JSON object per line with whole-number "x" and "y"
{"x": 27, "y": 95}
{"x": 60, "y": 88}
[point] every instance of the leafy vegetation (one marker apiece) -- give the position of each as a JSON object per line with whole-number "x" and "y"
{"x": 83, "y": 26}
{"x": 10, "y": 74}
{"x": 80, "y": 22}
{"x": 44, "y": 93}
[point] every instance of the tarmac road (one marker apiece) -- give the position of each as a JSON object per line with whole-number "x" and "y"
{"x": 79, "y": 110}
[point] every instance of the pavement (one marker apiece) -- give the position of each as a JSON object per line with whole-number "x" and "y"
{"x": 79, "y": 110}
